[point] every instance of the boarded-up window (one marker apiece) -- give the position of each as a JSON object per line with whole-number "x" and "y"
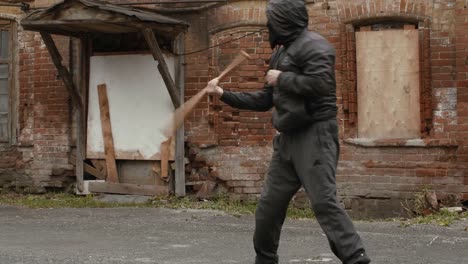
{"x": 388, "y": 84}
{"x": 5, "y": 66}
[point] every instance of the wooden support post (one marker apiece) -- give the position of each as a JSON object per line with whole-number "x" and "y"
{"x": 78, "y": 79}
{"x": 162, "y": 66}
{"x": 79, "y": 170}
{"x": 180, "y": 133}
{"x": 107, "y": 134}
{"x": 62, "y": 70}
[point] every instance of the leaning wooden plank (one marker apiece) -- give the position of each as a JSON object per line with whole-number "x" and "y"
{"x": 162, "y": 66}
{"x": 107, "y": 134}
{"x": 62, "y": 70}
{"x": 165, "y": 151}
{"x": 127, "y": 188}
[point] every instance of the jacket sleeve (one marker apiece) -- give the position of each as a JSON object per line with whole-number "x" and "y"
{"x": 261, "y": 100}
{"x": 317, "y": 76}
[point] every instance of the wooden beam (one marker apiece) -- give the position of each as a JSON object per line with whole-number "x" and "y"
{"x": 79, "y": 170}
{"x": 162, "y": 66}
{"x": 127, "y": 188}
{"x": 180, "y": 133}
{"x": 107, "y": 134}
{"x": 90, "y": 169}
{"x": 93, "y": 171}
{"x": 76, "y": 65}
{"x": 100, "y": 165}
{"x": 62, "y": 70}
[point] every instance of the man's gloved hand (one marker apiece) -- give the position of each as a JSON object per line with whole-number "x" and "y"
{"x": 272, "y": 77}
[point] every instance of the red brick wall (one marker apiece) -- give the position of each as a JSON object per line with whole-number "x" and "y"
{"x": 234, "y": 127}
{"x": 383, "y": 172}
{"x": 461, "y": 70}
{"x": 233, "y": 147}
{"x": 39, "y": 160}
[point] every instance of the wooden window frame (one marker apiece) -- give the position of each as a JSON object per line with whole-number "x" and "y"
{"x": 10, "y": 26}
{"x": 349, "y": 72}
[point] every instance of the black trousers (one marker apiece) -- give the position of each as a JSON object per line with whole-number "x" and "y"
{"x": 305, "y": 158}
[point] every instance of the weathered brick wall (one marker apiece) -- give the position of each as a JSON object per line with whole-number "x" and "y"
{"x": 37, "y": 159}
{"x": 233, "y": 147}
{"x": 461, "y": 73}
{"x": 52, "y": 118}
{"x": 371, "y": 177}
{"x": 385, "y": 172}
{"x": 230, "y": 146}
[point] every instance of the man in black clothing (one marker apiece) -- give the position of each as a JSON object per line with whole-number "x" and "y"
{"x": 301, "y": 86}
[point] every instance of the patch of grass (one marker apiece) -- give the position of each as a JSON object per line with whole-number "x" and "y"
{"x": 234, "y": 207}
{"x": 442, "y": 218}
{"x": 225, "y": 204}
{"x": 60, "y": 200}
{"x": 299, "y": 213}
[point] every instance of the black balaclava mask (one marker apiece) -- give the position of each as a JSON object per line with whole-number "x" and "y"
{"x": 286, "y": 20}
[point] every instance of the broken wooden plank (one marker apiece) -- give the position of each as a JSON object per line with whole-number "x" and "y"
{"x": 165, "y": 150}
{"x": 88, "y": 169}
{"x": 100, "y": 165}
{"x": 127, "y": 188}
{"x": 162, "y": 66}
{"x": 62, "y": 70}
{"x": 107, "y": 134}
{"x": 94, "y": 171}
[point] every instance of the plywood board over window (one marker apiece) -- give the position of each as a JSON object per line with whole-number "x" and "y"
{"x": 139, "y": 103}
{"x": 388, "y": 84}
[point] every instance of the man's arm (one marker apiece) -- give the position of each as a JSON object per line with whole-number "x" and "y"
{"x": 261, "y": 100}
{"x": 317, "y": 77}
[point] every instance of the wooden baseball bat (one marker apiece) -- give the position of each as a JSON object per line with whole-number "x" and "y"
{"x": 184, "y": 110}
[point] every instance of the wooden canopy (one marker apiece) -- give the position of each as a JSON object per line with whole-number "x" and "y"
{"x": 87, "y": 19}
{"x": 74, "y": 17}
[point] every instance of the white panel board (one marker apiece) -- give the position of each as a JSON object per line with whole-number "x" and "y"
{"x": 139, "y": 104}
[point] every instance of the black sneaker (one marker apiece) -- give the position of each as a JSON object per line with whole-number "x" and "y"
{"x": 359, "y": 258}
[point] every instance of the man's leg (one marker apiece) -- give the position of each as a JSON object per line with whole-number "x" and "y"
{"x": 316, "y": 153}
{"x": 280, "y": 185}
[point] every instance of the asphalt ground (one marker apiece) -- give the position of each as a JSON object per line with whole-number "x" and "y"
{"x": 164, "y": 236}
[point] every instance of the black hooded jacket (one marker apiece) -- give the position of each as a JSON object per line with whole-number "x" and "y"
{"x": 306, "y": 88}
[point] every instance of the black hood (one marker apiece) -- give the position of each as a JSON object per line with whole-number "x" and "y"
{"x": 286, "y": 20}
